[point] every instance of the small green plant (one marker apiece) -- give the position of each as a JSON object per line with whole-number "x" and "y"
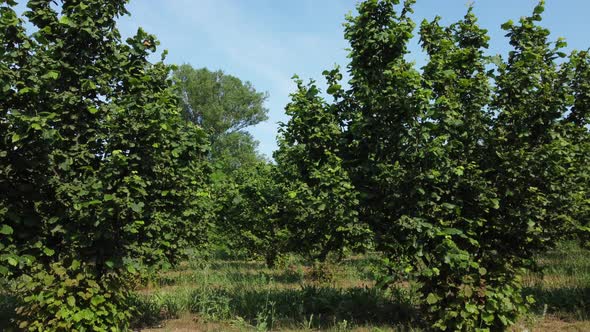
{"x": 342, "y": 326}
{"x": 321, "y": 272}
{"x": 308, "y": 322}
{"x": 69, "y": 299}
{"x": 210, "y": 303}
{"x": 265, "y": 319}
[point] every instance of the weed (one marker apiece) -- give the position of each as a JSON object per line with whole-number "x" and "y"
{"x": 337, "y": 297}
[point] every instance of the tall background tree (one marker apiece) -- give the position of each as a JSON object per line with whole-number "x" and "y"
{"x": 223, "y": 105}
{"x": 99, "y": 174}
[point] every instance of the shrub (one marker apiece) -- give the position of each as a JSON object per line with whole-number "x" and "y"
{"x": 464, "y": 169}
{"x": 99, "y": 174}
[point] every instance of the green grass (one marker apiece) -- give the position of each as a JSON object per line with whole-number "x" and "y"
{"x": 220, "y": 294}
{"x": 562, "y": 288}
{"x": 291, "y": 297}
{"x": 294, "y": 296}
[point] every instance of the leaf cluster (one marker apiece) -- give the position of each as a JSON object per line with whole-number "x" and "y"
{"x": 463, "y": 169}
{"x": 97, "y": 168}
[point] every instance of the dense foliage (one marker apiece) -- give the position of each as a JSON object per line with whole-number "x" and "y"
{"x": 254, "y": 212}
{"x": 224, "y": 107}
{"x": 465, "y": 168}
{"x": 322, "y": 202}
{"x": 457, "y": 173}
{"x": 98, "y": 175}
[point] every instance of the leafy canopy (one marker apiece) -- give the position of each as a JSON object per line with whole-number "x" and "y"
{"x": 98, "y": 173}
{"x": 466, "y": 167}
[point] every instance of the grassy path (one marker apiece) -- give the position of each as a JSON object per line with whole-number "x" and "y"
{"x": 225, "y": 295}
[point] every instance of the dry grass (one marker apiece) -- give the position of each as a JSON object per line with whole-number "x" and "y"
{"x": 189, "y": 323}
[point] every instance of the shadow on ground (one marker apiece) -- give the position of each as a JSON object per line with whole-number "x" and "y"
{"x": 8, "y": 304}
{"x": 313, "y": 306}
{"x": 572, "y": 303}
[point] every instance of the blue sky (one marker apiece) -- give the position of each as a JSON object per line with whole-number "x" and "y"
{"x": 266, "y": 42}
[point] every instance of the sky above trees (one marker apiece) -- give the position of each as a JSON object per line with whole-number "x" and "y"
{"x": 268, "y": 41}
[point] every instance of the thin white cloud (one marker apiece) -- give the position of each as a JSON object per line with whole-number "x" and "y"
{"x": 241, "y": 38}
{"x": 254, "y": 46}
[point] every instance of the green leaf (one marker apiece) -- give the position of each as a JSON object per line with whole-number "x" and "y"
{"x": 488, "y": 317}
{"x": 97, "y": 299}
{"x": 468, "y": 291}
{"x": 539, "y": 9}
{"x": 12, "y": 261}
{"x": 432, "y": 298}
{"x": 48, "y": 251}
{"x": 470, "y": 308}
{"x": 88, "y": 85}
{"x": 24, "y": 90}
{"x": 131, "y": 269}
{"x": 88, "y": 314}
{"x": 449, "y": 206}
{"x": 6, "y": 230}
{"x": 52, "y": 74}
{"x": 452, "y": 231}
{"x": 65, "y": 20}
{"x": 508, "y": 25}
{"x": 75, "y": 265}
{"x": 71, "y": 301}
{"x": 137, "y": 207}
{"x": 495, "y": 203}
{"x": 333, "y": 89}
